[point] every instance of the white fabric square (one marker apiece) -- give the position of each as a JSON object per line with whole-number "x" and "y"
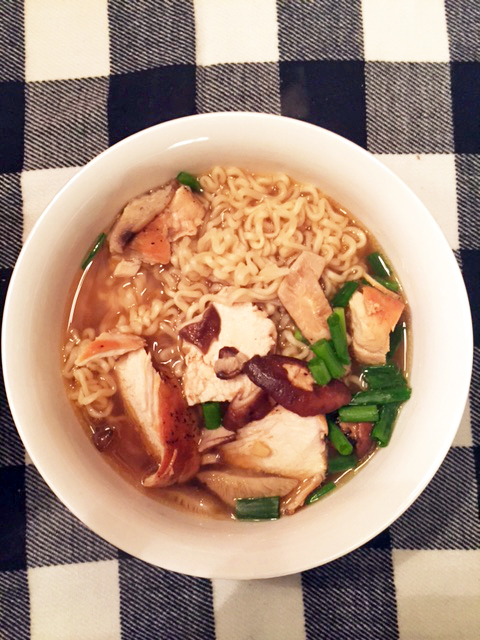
{"x": 66, "y": 39}
{"x": 75, "y": 601}
{"x": 405, "y": 30}
{"x": 432, "y": 178}
{"x": 463, "y": 437}
{"x": 233, "y": 31}
{"x": 438, "y": 594}
{"x": 275, "y": 608}
{"x": 38, "y": 189}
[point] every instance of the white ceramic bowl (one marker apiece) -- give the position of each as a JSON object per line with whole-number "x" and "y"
{"x": 104, "y": 501}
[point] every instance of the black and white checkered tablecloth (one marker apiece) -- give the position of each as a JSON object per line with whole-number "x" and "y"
{"x": 399, "y": 77}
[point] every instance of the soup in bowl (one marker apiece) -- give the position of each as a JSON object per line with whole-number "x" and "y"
{"x": 232, "y": 310}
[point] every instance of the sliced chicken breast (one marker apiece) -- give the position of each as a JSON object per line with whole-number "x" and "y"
{"x": 168, "y": 427}
{"x": 232, "y": 484}
{"x": 282, "y": 443}
{"x": 108, "y": 345}
{"x": 303, "y": 297}
{"x": 242, "y": 326}
{"x": 373, "y": 316}
{"x": 136, "y": 215}
{"x": 184, "y": 215}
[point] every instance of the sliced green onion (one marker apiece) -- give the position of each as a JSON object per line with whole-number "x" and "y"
{"x": 388, "y": 284}
{"x": 189, "y": 181}
{"x": 396, "y": 338}
{"x": 382, "y": 376}
{"x": 212, "y": 415}
{"x": 257, "y": 508}
{"x": 360, "y": 413}
{"x": 382, "y": 430}
{"x": 338, "y": 333}
{"x": 338, "y": 439}
{"x": 298, "y": 335}
{"x": 319, "y": 371}
{"x": 323, "y": 349}
{"x": 382, "y": 396}
{"x": 343, "y": 295}
{"x": 320, "y": 492}
{"x": 97, "y": 245}
{"x": 378, "y": 265}
{"x": 341, "y": 463}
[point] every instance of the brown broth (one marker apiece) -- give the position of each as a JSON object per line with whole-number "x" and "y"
{"x": 125, "y": 449}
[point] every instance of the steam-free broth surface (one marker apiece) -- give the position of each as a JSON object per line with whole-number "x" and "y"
{"x": 230, "y": 247}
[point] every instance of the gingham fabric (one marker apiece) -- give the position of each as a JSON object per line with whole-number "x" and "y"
{"x": 398, "y": 77}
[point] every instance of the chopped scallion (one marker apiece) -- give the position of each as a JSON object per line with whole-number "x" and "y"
{"x": 382, "y": 376}
{"x": 188, "y": 180}
{"x": 212, "y": 415}
{"x": 338, "y": 439}
{"x": 323, "y": 349}
{"x": 396, "y": 338}
{"x": 382, "y": 430}
{"x": 341, "y": 463}
{"x": 97, "y": 245}
{"x": 320, "y": 492}
{"x": 392, "y": 285}
{"x": 378, "y": 265}
{"x": 257, "y": 508}
{"x": 319, "y": 371}
{"x": 298, "y": 335}
{"x": 360, "y": 413}
{"x": 382, "y": 396}
{"x": 343, "y": 295}
{"x": 338, "y": 333}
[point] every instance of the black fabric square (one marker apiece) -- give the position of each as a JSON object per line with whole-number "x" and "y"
{"x": 327, "y": 30}
{"x": 328, "y": 94}
{"x": 12, "y": 50}
{"x": 463, "y": 22}
{"x": 12, "y": 518}
{"x": 381, "y": 541}
{"x": 14, "y": 606}
{"x": 475, "y": 399}
{"x": 11, "y": 448}
{"x": 466, "y": 106}
{"x": 12, "y": 122}
{"x": 54, "y": 535}
{"x": 11, "y": 219}
{"x": 437, "y": 519}
{"x": 353, "y": 597}
{"x": 142, "y": 99}
{"x": 468, "y": 200}
{"x": 150, "y": 33}
{"x": 471, "y": 275}
{"x": 66, "y": 122}
{"x": 238, "y": 87}
{"x": 408, "y": 107}
{"x": 152, "y": 599}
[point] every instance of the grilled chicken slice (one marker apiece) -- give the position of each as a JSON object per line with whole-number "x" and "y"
{"x": 108, "y": 344}
{"x": 149, "y": 223}
{"x": 296, "y": 498}
{"x": 242, "y": 326}
{"x": 211, "y": 438}
{"x": 136, "y": 215}
{"x": 373, "y": 316}
{"x": 185, "y": 214}
{"x": 194, "y": 499}
{"x": 230, "y": 484}
{"x": 282, "y": 443}
{"x": 303, "y": 297}
{"x": 151, "y": 244}
{"x": 168, "y": 427}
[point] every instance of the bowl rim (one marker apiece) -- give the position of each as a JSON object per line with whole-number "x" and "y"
{"x": 8, "y": 333}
